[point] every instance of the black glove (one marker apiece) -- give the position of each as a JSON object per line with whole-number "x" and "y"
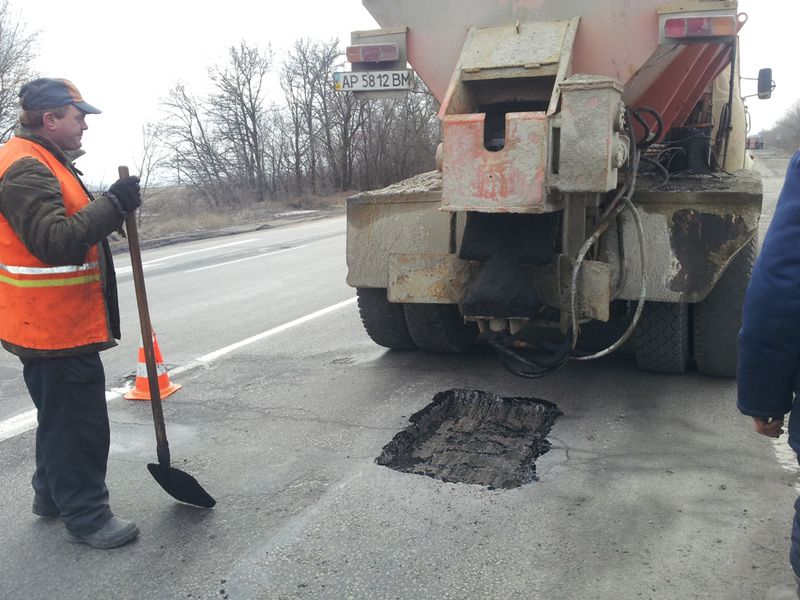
{"x": 127, "y": 193}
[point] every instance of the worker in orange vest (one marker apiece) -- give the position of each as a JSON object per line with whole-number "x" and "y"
{"x": 58, "y": 301}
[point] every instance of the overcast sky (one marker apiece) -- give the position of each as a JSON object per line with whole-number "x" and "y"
{"x": 124, "y": 57}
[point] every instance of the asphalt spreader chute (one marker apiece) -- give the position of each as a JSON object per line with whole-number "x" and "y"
{"x": 176, "y": 483}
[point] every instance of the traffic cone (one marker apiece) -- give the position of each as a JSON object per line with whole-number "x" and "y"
{"x": 141, "y": 390}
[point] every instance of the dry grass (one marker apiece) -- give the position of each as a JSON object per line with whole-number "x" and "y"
{"x": 169, "y": 211}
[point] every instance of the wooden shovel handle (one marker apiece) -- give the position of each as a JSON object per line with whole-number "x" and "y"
{"x": 162, "y": 445}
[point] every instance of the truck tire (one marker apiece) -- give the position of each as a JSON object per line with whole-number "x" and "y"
{"x": 439, "y": 328}
{"x": 718, "y": 318}
{"x": 384, "y": 321}
{"x": 661, "y": 339}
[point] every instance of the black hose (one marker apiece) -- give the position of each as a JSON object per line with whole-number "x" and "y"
{"x": 729, "y": 106}
{"x": 644, "y": 124}
{"x": 536, "y": 365}
{"x": 650, "y": 138}
{"x": 546, "y": 358}
{"x": 659, "y": 167}
{"x": 684, "y": 140}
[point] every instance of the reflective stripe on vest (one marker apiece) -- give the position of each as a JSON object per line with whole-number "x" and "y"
{"x": 49, "y": 276}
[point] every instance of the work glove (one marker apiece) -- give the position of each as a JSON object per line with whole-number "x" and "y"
{"x": 127, "y": 193}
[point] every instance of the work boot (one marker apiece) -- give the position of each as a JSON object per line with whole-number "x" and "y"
{"x": 784, "y": 592}
{"x": 44, "y": 507}
{"x": 114, "y": 533}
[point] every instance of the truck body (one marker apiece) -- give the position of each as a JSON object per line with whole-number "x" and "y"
{"x": 593, "y": 167}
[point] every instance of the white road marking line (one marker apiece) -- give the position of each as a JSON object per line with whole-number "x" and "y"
{"x": 18, "y": 424}
{"x": 123, "y": 270}
{"x": 238, "y": 260}
{"x": 26, "y": 421}
{"x": 212, "y": 356}
{"x": 129, "y": 269}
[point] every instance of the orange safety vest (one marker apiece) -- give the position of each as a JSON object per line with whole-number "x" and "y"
{"x": 42, "y": 306}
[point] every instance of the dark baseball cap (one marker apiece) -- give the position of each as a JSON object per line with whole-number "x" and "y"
{"x": 51, "y": 93}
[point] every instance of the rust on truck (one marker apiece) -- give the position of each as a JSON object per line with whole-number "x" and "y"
{"x": 702, "y": 244}
{"x": 592, "y": 167}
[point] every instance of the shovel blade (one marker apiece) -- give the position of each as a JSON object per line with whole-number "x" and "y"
{"x": 181, "y": 486}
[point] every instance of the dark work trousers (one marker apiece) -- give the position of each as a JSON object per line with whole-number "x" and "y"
{"x": 794, "y": 552}
{"x": 72, "y": 439}
{"x": 794, "y": 442}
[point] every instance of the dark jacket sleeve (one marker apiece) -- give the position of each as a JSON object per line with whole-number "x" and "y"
{"x": 30, "y": 198}
{"x": 769, "y": 341}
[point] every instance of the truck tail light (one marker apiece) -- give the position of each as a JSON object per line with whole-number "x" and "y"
{"x": 679, "y": 28}
{"x": 373, "y": 53}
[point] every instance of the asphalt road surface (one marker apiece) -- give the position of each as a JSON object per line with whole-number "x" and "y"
{"x": 655, "y": 487}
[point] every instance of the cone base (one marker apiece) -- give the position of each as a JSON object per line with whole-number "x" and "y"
{"x": 135, "y": 394}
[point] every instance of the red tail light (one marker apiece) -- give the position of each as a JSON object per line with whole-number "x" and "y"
{"x": 700, "y": 27}
{"x": 373, "y": 53}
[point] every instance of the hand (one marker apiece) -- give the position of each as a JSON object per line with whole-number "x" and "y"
{"x": 126, "y": 190}
{"x": 769, "y": 427}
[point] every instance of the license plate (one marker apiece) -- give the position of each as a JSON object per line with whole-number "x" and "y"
{"x": 368, "y": 81}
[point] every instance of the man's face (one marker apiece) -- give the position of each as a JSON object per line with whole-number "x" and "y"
{"x": 67, "y": 131}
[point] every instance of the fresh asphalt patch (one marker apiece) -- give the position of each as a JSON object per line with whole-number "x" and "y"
{"x": 476, "y": 437}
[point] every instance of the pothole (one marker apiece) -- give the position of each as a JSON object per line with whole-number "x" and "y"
{"x": 471, "y": 436}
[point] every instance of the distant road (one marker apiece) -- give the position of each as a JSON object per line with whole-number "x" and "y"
{"x": 772, "y": 166}
{"x": 206, "y": 294}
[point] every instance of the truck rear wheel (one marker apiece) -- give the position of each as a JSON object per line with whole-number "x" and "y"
{"x": 384, "y": 321}
{"x": 439, "y": 328}
{"x": 661, "y": 339}
{"x": 718, "y": 318}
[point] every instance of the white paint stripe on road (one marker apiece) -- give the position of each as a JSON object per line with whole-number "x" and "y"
{"x": 238, "y": 260}
{"x": 124, "y": 270}
{"x": 211, "y": 356}
{"x": 18, "y": 424}
{"x": 26, "y": 421}
{"x": 146, "y": 267}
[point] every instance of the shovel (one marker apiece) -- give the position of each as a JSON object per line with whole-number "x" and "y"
{"x": 175, "y": 482}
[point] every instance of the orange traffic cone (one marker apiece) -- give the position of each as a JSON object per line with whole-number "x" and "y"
{"x": 141, "y": 390}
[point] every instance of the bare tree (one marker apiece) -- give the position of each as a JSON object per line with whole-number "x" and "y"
{"x": 17, "y": 52}
{"x": 299, "y": 89}
{"x": 787, "y": 131}
{"x": 152, "y": 157}
{"x": 232, "y": 148}
{"x": 195, "y": 152}
{"x": 347, "y": 116}
{"x": 398, "y": 139}
{"x": 277, "y": 150}
{"x": 340, "y": 115}
{"x": 237, "y": 110}
{"x": 333, "y": 135}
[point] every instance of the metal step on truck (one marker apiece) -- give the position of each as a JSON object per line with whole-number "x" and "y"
{"x": 593, "y": 168}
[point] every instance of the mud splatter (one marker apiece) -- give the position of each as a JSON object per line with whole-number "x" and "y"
{"x": 700, "y": 241}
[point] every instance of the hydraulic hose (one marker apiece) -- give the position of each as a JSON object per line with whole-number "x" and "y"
{"x": 620, "y": 203}
{"x": 539, "y": 367}
{"x": 536, "y": 368}
{"x": 626, "y": 203}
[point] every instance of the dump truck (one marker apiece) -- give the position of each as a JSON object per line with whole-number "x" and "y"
{"x": 592, "y": 170}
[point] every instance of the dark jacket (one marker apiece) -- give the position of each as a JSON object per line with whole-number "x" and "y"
{"x": 31, "y": 201}
{"x": 769, "y": 341}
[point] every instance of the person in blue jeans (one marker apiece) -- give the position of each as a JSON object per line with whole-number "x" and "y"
{"x": 769, "y": 341}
